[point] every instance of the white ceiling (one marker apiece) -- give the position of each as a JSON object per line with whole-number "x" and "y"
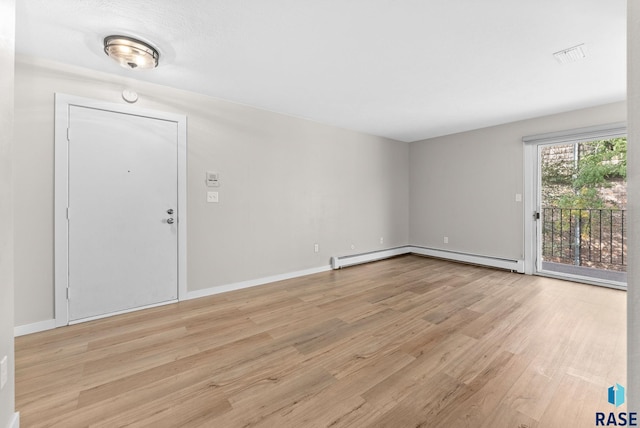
{"x": 403, "y": 69}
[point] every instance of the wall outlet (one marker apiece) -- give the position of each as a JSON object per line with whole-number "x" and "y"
{"x": 518, "y": 197}
{"x": 3, "y": 372}
{"x": 446, "y": 239}
{"x": 381, "y": 240}
{"x": 353, "y": 246}
{"x": 316, "y": 248}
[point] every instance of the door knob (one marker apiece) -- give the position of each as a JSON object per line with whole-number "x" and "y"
{"x": 170, "y": 220}
{"x": 170, "y": 211}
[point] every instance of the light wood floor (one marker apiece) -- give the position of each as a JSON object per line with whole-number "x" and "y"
{"x": 406, "y": 342}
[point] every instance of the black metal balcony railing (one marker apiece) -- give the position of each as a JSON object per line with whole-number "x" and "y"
{"x": 585, "y": 237}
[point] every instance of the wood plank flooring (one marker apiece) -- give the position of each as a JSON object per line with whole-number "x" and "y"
{"x": 405, "y": 342}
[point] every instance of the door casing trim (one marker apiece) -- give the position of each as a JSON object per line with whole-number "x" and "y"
{"x": 61, "y": 192}
{"x": 530, "y": 207}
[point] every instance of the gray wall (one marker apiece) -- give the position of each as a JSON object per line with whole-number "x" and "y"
{"x": 463, "y": 186}
{"x": 7, "y": 37}
{"x": 286, "y": 183}
{"x": 633, "y": 189}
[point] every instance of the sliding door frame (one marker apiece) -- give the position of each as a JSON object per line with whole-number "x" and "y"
{"x": 532, "y": 190}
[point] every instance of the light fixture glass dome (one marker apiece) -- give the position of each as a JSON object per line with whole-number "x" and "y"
{"x": 131, "y": 53}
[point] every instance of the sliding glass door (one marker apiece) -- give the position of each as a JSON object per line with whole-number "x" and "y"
{"x": 579, "y": 197}
{"x": 583, "y": 209}
{"x": 581, "y": 217}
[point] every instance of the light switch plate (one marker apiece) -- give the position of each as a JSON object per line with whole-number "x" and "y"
{"x": 518, "y": 197}
{"x": 212, "y": 197}
{"x": 213, "y": 179}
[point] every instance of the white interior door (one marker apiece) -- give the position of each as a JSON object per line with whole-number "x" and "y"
{"x": 122, "y": 218}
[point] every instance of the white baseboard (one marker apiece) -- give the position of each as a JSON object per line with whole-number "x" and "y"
{"x": 254, "y": 282}
{"x": 344, "y": 261}
{"x": 514, "y": 265}
{"x": 15, "y": 421}
{"x": 36, "y": 327}
{"x": 51, "y": 324}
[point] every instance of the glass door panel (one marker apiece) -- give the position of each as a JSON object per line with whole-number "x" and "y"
{"x": 582, "y": 219}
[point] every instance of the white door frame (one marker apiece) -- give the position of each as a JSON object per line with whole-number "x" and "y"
{"x": 61, "y": 198}
{"x": 530, "y": 208}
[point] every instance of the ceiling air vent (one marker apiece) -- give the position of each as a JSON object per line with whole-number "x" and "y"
{"x": 573, "y": 54}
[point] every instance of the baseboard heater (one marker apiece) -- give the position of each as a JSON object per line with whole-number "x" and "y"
{"x": 497, "y": 262}
{"x": 350, "y": 260}
{"x": 356, "y": 259}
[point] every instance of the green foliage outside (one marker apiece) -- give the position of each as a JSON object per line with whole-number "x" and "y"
{"x": 568, "y": 182}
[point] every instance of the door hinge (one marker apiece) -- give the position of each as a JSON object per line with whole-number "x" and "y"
{"x": 69, "y": 134}
{"x": 68, "y": 213}
{"x": 536, "y": 215}
{"x": 67, "y": 293}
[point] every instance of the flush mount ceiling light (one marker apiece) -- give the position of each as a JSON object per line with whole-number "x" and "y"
{"x": 572, "y": 54}
{"x": 131, "y": 53}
